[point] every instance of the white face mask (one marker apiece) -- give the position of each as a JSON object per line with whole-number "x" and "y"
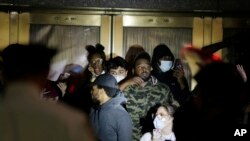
{"x": 159, "y": 122}
{"x": 119, "y": 78}
{"x": 166, "y": 65}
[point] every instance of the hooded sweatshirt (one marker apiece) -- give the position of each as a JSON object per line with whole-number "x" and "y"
{"x": 111, "y": 121}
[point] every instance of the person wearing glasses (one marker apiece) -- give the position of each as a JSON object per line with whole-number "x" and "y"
{"x": 143, "y": 91}
{"x": 97, "y": 60}
{"x": 80, "y": 96}
{"x": 161, "y": 118}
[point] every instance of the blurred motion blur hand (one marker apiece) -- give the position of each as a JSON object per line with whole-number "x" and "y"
{"x": 180, "y": 75}
{"x": 242, "y": 72}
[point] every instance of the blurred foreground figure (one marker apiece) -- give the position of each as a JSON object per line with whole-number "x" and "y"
{"x": 218, "y": 110}
{"x": 24, "y": 116}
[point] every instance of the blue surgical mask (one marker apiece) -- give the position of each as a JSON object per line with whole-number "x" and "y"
{"x": 166, "y": 65}
{"x": 159, "y": 122}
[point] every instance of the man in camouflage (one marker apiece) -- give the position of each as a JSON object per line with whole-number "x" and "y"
{"x": 143, "y": 91}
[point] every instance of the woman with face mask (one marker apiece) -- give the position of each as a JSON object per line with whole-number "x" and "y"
{"x": 163, "y": 123}
{"x": 170, "y": 72}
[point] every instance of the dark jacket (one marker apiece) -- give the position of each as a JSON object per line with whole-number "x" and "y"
{"x": 167, "y": 78}
{"x": 111, "y": 121}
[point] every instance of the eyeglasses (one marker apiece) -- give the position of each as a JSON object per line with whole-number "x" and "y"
{"x": 96, "y": 62}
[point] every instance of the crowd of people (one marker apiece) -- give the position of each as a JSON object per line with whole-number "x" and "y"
{"x": 121, "y": 99}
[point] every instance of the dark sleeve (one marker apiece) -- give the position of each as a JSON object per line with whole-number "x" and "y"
{"x": 185, "y": 94}
{"x": 124, "y": 128}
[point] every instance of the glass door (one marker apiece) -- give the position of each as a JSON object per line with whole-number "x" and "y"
{"x": 69, "y": 31}
{"x": 149, "y": 31}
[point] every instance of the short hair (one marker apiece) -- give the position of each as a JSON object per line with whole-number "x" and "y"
{"x": 117, "y": 62}
{"x": 141, "y": 55}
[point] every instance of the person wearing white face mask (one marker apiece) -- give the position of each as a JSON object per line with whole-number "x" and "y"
{"x": 163, "y": 123}
{"x": 170, "y": 72}
{"x": 165, "y": 65}
{"x": 118, "y": 67}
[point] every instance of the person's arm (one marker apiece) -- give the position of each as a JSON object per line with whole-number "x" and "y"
{"x": 124, "y": 128}
{"x": 169, "y": 98}
{"x": 180, "y": 76}
{"x": 132, "y": 81}
{"x": 183, "y": 93}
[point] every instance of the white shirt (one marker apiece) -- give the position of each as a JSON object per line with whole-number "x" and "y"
{"x": 148, "y": 137}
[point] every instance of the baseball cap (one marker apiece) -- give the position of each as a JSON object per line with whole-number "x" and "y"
{"x": 108, "y": 82}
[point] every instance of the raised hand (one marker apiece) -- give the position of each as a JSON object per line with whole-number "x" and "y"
{"x": 242, "y": 72}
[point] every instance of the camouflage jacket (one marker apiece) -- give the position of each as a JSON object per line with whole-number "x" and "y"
{"x": 141, "y": 99}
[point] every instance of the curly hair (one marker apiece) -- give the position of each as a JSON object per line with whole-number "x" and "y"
{"x": 97, "y": 49}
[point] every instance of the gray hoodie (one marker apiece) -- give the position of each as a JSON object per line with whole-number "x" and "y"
{"x": 111, "y": 122}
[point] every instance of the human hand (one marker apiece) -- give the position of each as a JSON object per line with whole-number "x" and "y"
{"x": 91, "y": 69}
{"x": 180, "y": 75}
{"x": 242, "y": 72}
{"x": 62, "y": 87}
{"x": 156, "y": 135}
{"x": 135, "y": 81}
{"x": 93, "y": 76}
{"x": 132, "y": 81}
{"x": 44, "y": 95}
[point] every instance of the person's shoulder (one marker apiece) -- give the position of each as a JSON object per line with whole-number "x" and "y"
{"x": 118, "y": 110}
